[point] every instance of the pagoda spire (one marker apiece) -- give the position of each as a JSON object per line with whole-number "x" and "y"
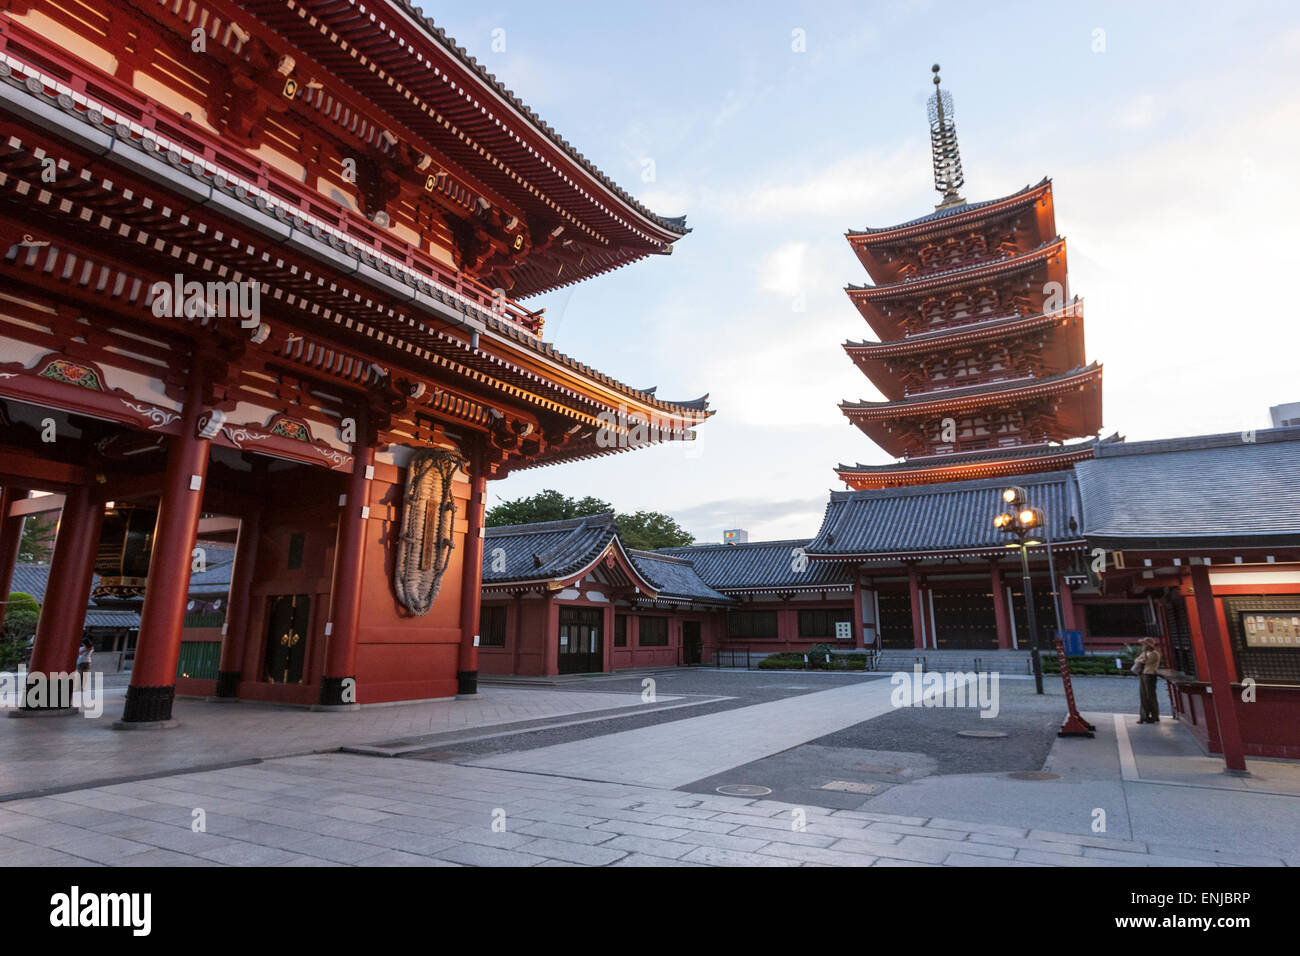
{"x": 948, "y": 176}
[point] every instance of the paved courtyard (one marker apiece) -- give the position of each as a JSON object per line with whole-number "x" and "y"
{"x": 588, "y": 774}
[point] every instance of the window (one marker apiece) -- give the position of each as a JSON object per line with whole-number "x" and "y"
{"x": 620, "y": 630}
{"x": 492, "y": 626}
{"x": 1117, "y": 620}
{"x": 653, "y": 633}
{"x": 296, "y": 544}
{"x": 752, "y": 624}
{"x": 821, "y": 623}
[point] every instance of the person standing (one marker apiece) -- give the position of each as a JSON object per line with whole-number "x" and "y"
{"x": 83, "y": 662}
{"x": 1147, "y": 666}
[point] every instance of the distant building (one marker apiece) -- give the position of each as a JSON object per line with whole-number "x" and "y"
{"x": 735, "y": 536}
{"x": 1285, "y": 415}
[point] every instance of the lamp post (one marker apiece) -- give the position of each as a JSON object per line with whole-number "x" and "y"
{"x": 1023, "y": 520}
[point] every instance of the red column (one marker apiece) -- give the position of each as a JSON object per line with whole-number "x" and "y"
{"x": 63, "y": 612}
{"x": 11, "y": 533}
{"x": 153, "y": 677}
{"x": 471, "y": 581}
{"x": 1000, "y": 609}
{"x": 238, "y": 607}
{"x": 1070, "y": 622}
{"x": 918, "y": 611}
{"x": 338, "y": 684}
{"x": 857, "y": 610}
{"x": 1221, "y": 672}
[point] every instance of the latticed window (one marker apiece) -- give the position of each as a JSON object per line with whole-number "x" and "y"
{"x": 620, "y": 630}
{"x": 492, "y": 626}
{"x": 653, "y": 632}
{"x": 821, "y": 623}
{"x": 752, "y": 625}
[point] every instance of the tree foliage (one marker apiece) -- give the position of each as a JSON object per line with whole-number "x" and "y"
{"x": 21, "y": 615}
{"x": 37, "y": 539}
{"x": 548, "y": 505}
{"x": 645, "y": 530}
{"x": 650, "y": 530}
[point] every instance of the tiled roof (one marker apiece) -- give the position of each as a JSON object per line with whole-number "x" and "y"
{"x": 760, "y": 565}
{"x": 947, "y": 212}
{"x": 957, "y": 394}
{"x": 950, "y": 516}
{"x": 32, "y": 579}
{"x": 215, "y": 579}
{"x": 1227, "y": 489}
{"x": 219, "y": 562}
{"x": 545, "y": 550}
{"x": 675, "y": 578}
{"x": 990, "y": 454}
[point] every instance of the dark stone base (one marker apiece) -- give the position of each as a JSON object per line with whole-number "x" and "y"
{"x": 331, "y": 692}
{"x": 466, "y": 683}
{"x": 57, "y": 694}
{"x": 146, "y": 705}
{"x": 227, "y": 684}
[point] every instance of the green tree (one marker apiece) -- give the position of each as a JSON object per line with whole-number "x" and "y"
{"x": 649, "y": 530}
{"x": 548, "y": 505}
{"x": 37, "y": 539}
{"x": 21, "y": 614}
{"x": 644, "y": 530}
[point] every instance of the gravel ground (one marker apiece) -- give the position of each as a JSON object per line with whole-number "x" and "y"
{"x": 863, "y": 761}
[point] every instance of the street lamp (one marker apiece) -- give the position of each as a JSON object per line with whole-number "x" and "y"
{"x": 1024, "y": 521}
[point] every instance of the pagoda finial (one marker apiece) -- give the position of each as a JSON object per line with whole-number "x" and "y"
{"x": 943, "y": 144}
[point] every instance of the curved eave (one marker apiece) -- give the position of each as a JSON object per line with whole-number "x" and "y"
{"x": 556, "y": 582}
{"x": 959, "y": 277}
{"x": 413, "y": 43}
{"x": 1034, "y": 388}
{"x": 973, "y": 551}
{"x": 1066, "y": 351}
{"x": 942, "y": 340}
{"x": 862, "y": 476}
{"x": 919, "y": 228}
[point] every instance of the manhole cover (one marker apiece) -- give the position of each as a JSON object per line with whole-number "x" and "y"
{"x": 1033, "y": 775}
{"x": 980, "y": 733}
{"x": 848, "y": 786}
{"x": 744, "y": 790}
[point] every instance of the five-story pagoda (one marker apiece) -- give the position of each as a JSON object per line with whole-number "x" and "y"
{"x": 981, "y": 350}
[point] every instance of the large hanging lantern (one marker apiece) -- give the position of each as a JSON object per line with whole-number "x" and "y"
{"x": 125, "y": 544}
{"x": 425, "y": 545}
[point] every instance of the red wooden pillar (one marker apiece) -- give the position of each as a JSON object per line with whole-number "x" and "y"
{"x": 1000, "y": 611}
{"x": 1070, "y": 622}
{"x": 918, "y": 611}
{"x": 63, "y": 612}
{"x": 153, "y": 677}
{"x": 238, "y": 607}
{"x": 1221, "y": 672}
{"x": 858, "y": 640}
{"x": 338, "y": 686}
{"x": 11, "y": 533}
{"x": 471, "y": 579}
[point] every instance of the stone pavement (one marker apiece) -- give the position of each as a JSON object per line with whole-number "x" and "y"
{"x": 341, "y": 809}
{"x": 672, "y": 755}
{"x": 318, "y": 808}
{"x": 46, "y": 752}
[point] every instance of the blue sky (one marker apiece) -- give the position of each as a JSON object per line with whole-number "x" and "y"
{"x": 1171, "y": 137}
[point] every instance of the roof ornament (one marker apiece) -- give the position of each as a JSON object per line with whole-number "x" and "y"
{"x": 948, "y": 176}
